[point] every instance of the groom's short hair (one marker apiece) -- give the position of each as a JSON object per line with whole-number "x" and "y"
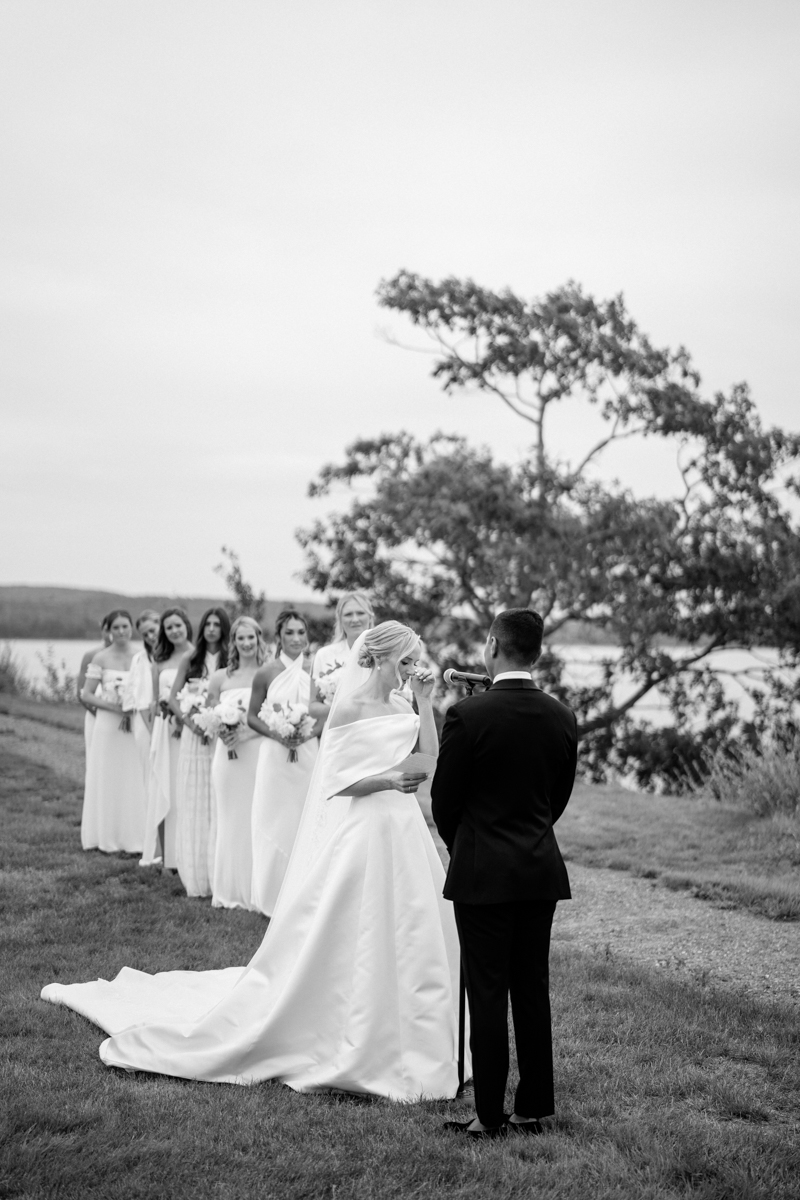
{"x": 519, "y": 634}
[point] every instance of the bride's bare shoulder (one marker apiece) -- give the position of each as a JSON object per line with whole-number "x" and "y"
{"x": 347, "y": 712}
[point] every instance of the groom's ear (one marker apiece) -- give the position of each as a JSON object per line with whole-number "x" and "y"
{"x": 494, "y": 649}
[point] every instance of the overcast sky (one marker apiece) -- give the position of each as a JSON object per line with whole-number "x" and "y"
{"x": 199, "y": 197}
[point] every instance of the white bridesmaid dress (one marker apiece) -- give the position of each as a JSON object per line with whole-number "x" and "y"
{"x": 88, "y": 730}
{"x": 162, "y": 782}
{"x": 233, "y": 780}
{"x": 141, "y": 686}
{"x": 280, "y": 791}
{"x": 354, "y": 986}
{"x": 114, "y": 800}
{"x": 195, "y": 835}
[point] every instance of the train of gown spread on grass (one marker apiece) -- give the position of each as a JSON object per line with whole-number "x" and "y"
{"x": 355, "y": 985}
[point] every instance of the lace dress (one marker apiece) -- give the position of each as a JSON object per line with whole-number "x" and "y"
{"x": 114, "y": 799}
{"x": 280, "y": 792}
{"x": 195, "y": 834}
{"x": 233, "y": 780}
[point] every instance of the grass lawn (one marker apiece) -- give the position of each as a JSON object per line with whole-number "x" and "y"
{"x": 720, "y": 853}
{"x": 664, "y": 1088}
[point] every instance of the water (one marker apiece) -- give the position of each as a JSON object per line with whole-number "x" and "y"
{"x": 737, "y": 666}
{"x": 66, "y": 654}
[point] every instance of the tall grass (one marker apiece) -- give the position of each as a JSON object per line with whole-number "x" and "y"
{"x": 57, "y": 687}
{"x": 13, "y": 680}
{"x": 765, "y": 781}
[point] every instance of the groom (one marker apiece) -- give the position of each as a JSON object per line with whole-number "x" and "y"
{"x": 504, "y": 776}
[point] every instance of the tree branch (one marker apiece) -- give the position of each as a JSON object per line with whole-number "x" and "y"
{"x": 613, "y": 714}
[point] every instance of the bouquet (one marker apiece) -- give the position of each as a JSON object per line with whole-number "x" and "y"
{"x": 231, "y": 714}
{"x": 207, "y": 720}
{"x": 328, "y": 682}
{"x": 169, "y": 715}
{"x": 123, "y": 697}
{"x": 192, "y": 699}
{"x": 193, "y": 696}
{"x": 290, "y": 721}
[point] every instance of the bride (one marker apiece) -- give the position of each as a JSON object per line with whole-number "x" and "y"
{"x": 354, "y": 986}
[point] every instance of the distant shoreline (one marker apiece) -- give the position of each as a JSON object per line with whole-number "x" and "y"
{"x": 42, "y": 613}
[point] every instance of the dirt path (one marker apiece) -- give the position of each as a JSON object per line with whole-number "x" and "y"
{"x": 612, "y": 912}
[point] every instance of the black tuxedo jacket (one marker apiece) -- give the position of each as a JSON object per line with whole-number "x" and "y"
{"x": 505, "y": 773}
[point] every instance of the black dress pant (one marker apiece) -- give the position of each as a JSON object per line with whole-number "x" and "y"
{"x": 505, "y": 950}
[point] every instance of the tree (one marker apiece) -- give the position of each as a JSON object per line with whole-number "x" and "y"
{"x": 444, "y": 536}
{"x": 245, "y": 601}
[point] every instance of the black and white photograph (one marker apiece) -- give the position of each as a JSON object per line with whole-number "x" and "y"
{"x": 399, "y": 599}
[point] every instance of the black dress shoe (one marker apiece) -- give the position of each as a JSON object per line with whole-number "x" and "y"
{"x": 476, "y": 1134}
{"x": 529, "y": 1127}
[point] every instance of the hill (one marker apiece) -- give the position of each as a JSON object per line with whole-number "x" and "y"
{"x": 62, "y": 612}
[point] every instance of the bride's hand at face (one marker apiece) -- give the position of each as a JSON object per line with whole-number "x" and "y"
{"x": 422, "y": 682}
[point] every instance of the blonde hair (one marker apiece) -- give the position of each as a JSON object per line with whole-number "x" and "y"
{"x": 360, "y": 598}
{"x": 388, "y": 638}
{"x": 233, "y": 649}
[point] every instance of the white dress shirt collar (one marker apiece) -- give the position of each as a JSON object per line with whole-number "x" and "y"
{"x": 513, "y": 675}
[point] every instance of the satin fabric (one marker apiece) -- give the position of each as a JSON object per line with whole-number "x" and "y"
{"x": 162, "y": 783}
{"x": 279, "y": 793}
{"x": 141, "y": 690}
{"x": 114, "y": 799}
{"x": 88, "y": 730}
{"x": 355, "y": 983}
{"x": 233, "y": 780}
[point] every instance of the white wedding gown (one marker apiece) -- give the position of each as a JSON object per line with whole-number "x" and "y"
{"x": 354, "y": 986}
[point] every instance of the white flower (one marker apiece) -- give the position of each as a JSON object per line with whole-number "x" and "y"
{"x": 230, "y": 712}
{"x": 193, "y": 696}
{"x": 207, "y": 720}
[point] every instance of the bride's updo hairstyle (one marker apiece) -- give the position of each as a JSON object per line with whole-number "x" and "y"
{"x": 389, "y": 639}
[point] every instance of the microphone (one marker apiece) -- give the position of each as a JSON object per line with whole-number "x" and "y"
{"x": 452, "y": 677}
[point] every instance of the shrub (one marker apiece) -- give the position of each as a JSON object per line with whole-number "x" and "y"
{"x": 765, "y": 780}
{"x": 59, "y": 687}
{"x": 12, "y": 674}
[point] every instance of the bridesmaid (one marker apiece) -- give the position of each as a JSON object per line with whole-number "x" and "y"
{"x": 88, "y": 720}
{"x": 281, "y": 785}
{"x": 233, "y": 778}
{"x": 196, "y": 816}
{"x": 354, "y": 614}
{"x": 174, "y": 641}
{"x": 114, "y": 800}
{"x": 147, "y": 624}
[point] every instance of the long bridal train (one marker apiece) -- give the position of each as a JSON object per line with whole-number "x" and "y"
{"x": 355, "y": 984}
